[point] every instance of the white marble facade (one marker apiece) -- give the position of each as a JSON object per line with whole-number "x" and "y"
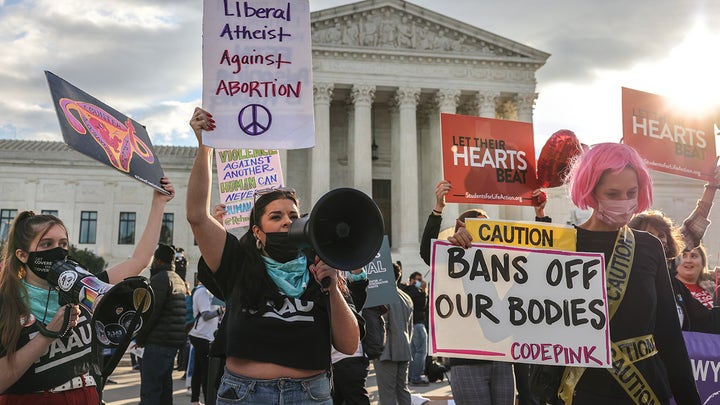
{"x": 383, "y": 72}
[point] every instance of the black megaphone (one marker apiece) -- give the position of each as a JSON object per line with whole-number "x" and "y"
{"x": 345, "y": 228}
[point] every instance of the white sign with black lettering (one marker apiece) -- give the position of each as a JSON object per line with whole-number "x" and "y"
{"x": 519, "y": 305}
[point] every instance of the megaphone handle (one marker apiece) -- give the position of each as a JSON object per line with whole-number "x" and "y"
{"x": 63, "y": 330}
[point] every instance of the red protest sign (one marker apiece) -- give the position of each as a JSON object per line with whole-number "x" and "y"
{"x": 668, "y": 141}
{"x": 488, "y": 161}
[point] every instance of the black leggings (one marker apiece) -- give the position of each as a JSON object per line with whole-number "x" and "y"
{"x": 199, "y": 374}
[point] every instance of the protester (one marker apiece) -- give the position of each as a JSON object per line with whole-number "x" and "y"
{"x": 613, "y": 180}
{"x": 45, "y": 357}
{"x": 694, "y": 316}
{"x": 391, "y": 368}
{"x": 280, "y": 321}
{"x": 480, "y": 381}
{"x": 183, "y": 357}
{"x": 693, "y": 272}
{"x": 164, "y": 332}
{"x": 417, "y": 291}
{"x": 180, "y": 263}
{"x": 207, "y": 319}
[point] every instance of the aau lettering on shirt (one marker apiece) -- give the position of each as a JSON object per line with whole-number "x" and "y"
{"x": 292, "y": 310}
{"x": 63, "y": 351}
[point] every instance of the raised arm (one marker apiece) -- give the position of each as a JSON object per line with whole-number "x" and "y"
{"x": 209, "y": 233}
{"x": 432, "y": 226}
{"x": 143, "y": 253}
{"x": 694, "y": 226}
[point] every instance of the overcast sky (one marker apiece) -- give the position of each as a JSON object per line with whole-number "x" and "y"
{"x": 143, "y": 58}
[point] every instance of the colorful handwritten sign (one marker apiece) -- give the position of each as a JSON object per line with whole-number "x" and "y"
{"x": 667, "y": 140}
{"x": 519, "y": 305}
{"x": 101, "y": 132}
{"x": 488, "y": 161}
{"x": 537, "y": 235}
{"x": 240, "y": 172}
{"x": 257, "y": 74}
{"x": 381, "y": 278}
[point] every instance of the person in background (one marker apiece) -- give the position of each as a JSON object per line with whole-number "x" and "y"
{"x": 613, "y": 180}
{"x": 692, "y": 271}
{"x": 350, "y": 371}
{"x": 164, "y": 333}
{"x": 417, "y": 291}
{"x": 207, "y": 319}
{"x": 183, "y": 356}
{"x": 180, "y": 263}
{"x": 692, "y": 314}
{"x": 280, "y": 320}
{"x": 391, "y": 368}
{"x": 45, "y": 348}
{"x": 480, "y": 381}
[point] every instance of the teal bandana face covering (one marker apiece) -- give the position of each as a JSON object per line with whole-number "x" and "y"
{"x": 291, "y": 277}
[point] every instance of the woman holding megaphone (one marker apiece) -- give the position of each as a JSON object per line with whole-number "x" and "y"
{"x": 45, "y": 348}
{"x": 279, "y": 321}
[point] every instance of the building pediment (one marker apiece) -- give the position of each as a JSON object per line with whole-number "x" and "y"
{"x": 396, "y": 26}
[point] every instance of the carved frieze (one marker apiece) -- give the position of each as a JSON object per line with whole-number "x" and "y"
{"x": 391, "y": 28}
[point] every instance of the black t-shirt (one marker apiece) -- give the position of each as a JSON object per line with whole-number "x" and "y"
{"x": 648, "y": 307}
{"x": 66, "y": 358}
{"x": 297, "y": 334}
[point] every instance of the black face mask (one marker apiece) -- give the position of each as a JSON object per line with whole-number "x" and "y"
{"x": 278, "y": 247}
{"x": 41, "y": 262}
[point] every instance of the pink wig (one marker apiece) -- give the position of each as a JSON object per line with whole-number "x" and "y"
{"x": 588, "y": 168}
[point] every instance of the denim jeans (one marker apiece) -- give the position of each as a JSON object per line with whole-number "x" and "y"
{"x": 235, "y": 389}
{"x": 156, "y": 386}
{"x": 418, "y": 348}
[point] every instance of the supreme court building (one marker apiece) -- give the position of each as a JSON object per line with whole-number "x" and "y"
{"x": 383, "y": 72}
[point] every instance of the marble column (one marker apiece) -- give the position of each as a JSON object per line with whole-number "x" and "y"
{"x": 320, "y": 154}
{"x": 405, "y": 169}
{"x": 525, "y": 103}
{"x": 360, "y": 160}
{"x": 487, "y": 105}
{"x": 447, "y": 101}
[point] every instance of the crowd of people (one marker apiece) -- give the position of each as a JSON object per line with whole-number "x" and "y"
{"x": 270, "y": 323}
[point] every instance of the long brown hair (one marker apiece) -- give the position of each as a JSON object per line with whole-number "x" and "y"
{"x": 14, "y": 308}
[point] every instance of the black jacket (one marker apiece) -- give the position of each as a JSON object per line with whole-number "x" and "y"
{"x": 166, "y": 326}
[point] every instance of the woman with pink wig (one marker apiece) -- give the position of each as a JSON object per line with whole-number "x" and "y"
{"x": 613, "y": 181}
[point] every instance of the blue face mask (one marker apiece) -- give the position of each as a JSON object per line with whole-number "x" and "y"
{"x": 418, "y": 284}
{"x": 291, "y": 277}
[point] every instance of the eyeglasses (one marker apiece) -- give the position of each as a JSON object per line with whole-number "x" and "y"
{"x": 265, "y": 191}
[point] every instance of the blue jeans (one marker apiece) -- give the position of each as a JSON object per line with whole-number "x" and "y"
{"x": 235, "y": 389}
{"x": 156, "y": 386}
{"x": 418, "y": 348}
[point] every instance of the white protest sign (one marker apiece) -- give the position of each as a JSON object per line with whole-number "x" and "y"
{"x": 240, "y": 172}
{"x": 519, "y": 305}
{"x": 257, "y": 74}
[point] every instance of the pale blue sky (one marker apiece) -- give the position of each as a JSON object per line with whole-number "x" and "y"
{"x": 144, "y": 58}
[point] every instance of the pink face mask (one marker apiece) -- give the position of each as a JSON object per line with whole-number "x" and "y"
{"x": 616, "y": 212}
